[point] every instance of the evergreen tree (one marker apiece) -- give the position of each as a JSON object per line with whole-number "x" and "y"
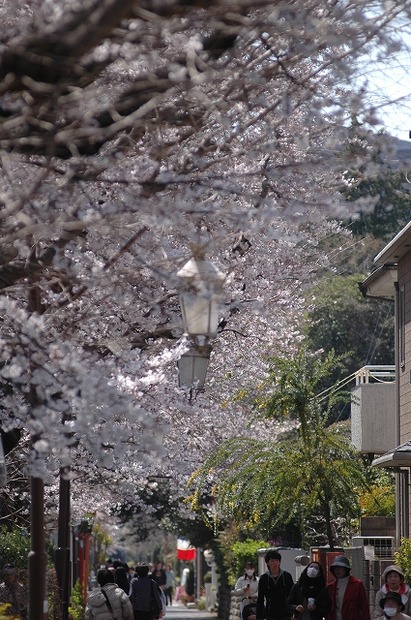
{"x": 309, "y": 471}
{"x": 359, "y": 329}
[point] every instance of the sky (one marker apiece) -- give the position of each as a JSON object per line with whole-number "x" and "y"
{"x": 395, "y": 117}
{"x": 389, "y": 80}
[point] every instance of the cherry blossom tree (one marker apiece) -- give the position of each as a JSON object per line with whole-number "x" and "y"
{"x": 131, "y": 133}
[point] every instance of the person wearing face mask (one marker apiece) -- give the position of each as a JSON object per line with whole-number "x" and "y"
{"x": 246, "y": 588}
{"x": 393, "y": 581}
{"x": 347, "y": 599}
{"x": 308, "y": 597}
{"x": 393, "y": 607}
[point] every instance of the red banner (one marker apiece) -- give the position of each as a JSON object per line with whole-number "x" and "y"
{"x": 185, "y": 551}
{"x": 186, "y": 554}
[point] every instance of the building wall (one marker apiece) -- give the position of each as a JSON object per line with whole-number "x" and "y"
{"x": 373, "y": 413}
{"x": 404, "y": 329}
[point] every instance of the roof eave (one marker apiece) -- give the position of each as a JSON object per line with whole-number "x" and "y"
{"x": 399, "y": 457}
{"x": 380, "y": 283}
{"x": 396, "y": 248}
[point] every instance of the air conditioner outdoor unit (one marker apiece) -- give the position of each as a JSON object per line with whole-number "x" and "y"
{"x": 378, "y": 547}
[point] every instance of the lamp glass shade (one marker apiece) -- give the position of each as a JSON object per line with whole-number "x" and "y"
{"x": 192, "y": 368}
{"x": 203, "y": 283}
{"x": 200, "y": 314}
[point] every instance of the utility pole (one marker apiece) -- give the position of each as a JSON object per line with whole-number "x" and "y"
{"x": 37, "y": 559}
{"x": 62, "y": 562}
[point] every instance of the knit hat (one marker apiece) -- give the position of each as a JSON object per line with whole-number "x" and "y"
{"x": 340, "y": 560}
{"x": 393, "y": 596}
{"x": 393, "y": 569}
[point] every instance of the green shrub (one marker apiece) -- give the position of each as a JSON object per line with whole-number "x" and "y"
{"x": 241, "y": 553}
{"x": 403, "y": 558}
{"x": 14, "y": 547}
{"x": 53, "y": 595}
{"x": 76, "y": 609}
{"x": 201, "y": 604}
{"x": 3, "y": 614}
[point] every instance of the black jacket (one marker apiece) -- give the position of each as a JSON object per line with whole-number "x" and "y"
{"x": 142, "y": 590}
{"x": 272, "y": 596}
{"x": 299, "y": 595}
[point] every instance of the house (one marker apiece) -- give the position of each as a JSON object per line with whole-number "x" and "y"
{"x": 392, "y": 280}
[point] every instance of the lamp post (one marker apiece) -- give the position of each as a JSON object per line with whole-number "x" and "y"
{"x": 212, "y": 588}
{"x": 202, "y": 286}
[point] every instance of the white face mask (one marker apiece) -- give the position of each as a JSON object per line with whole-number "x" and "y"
{"x": 249, "y": 572}
{"x": 312, "y": 572}
{"x": 390, "y": 611}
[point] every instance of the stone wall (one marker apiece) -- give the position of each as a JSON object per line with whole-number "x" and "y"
{"x": 226, "y": 605}
{"x": 234, "y": 608}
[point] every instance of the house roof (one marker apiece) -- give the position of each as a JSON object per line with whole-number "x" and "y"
{"x": 396, "y": 248}
{"x": 380, "y": 283}
{"x": 397, "y": 457}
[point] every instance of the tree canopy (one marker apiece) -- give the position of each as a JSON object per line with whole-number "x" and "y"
{"x": 310, "y": 475}
{"x": 130, "y": 134}
{"x": 334, "y": 305}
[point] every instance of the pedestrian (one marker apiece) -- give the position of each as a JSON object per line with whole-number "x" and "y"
{"x": 170, "y": 584}
{"x": 246, "y": 588}
{"x": 181, "y": 589}
{"x": 145, "y": 595}
{"x": 128, "y": 569}
{"x": 347, "y": 599}
{"x": 121, "y": 579}
{"x": 393, "y": 581}
{"x": 159, "y": 575}
{"x": 109, "y": 601}
{"x": 308, "y": 597}
{"x": 392, "y": 607}
{"x": 13, "y": 593}
{"x": 274, "y": 586}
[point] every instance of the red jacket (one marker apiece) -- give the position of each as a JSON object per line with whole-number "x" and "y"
{"x": 355, "y": 605}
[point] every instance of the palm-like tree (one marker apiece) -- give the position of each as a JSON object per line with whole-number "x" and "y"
{"x": 311, "y": 469}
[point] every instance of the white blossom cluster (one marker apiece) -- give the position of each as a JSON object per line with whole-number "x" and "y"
{"x": 163, "y": 129}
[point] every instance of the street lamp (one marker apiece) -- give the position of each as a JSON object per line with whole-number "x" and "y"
{"x": 199, "y": 300}
{"x": 192, "y": 366}
{"x": 200, "y": 297}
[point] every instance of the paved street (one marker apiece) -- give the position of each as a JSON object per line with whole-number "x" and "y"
{"x": 178, "y": 611}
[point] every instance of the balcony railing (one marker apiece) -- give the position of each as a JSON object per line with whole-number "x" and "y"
{"x": 369, "y": 374}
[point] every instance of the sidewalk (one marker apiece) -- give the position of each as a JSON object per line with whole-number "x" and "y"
{"x": 178, "y": 611}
